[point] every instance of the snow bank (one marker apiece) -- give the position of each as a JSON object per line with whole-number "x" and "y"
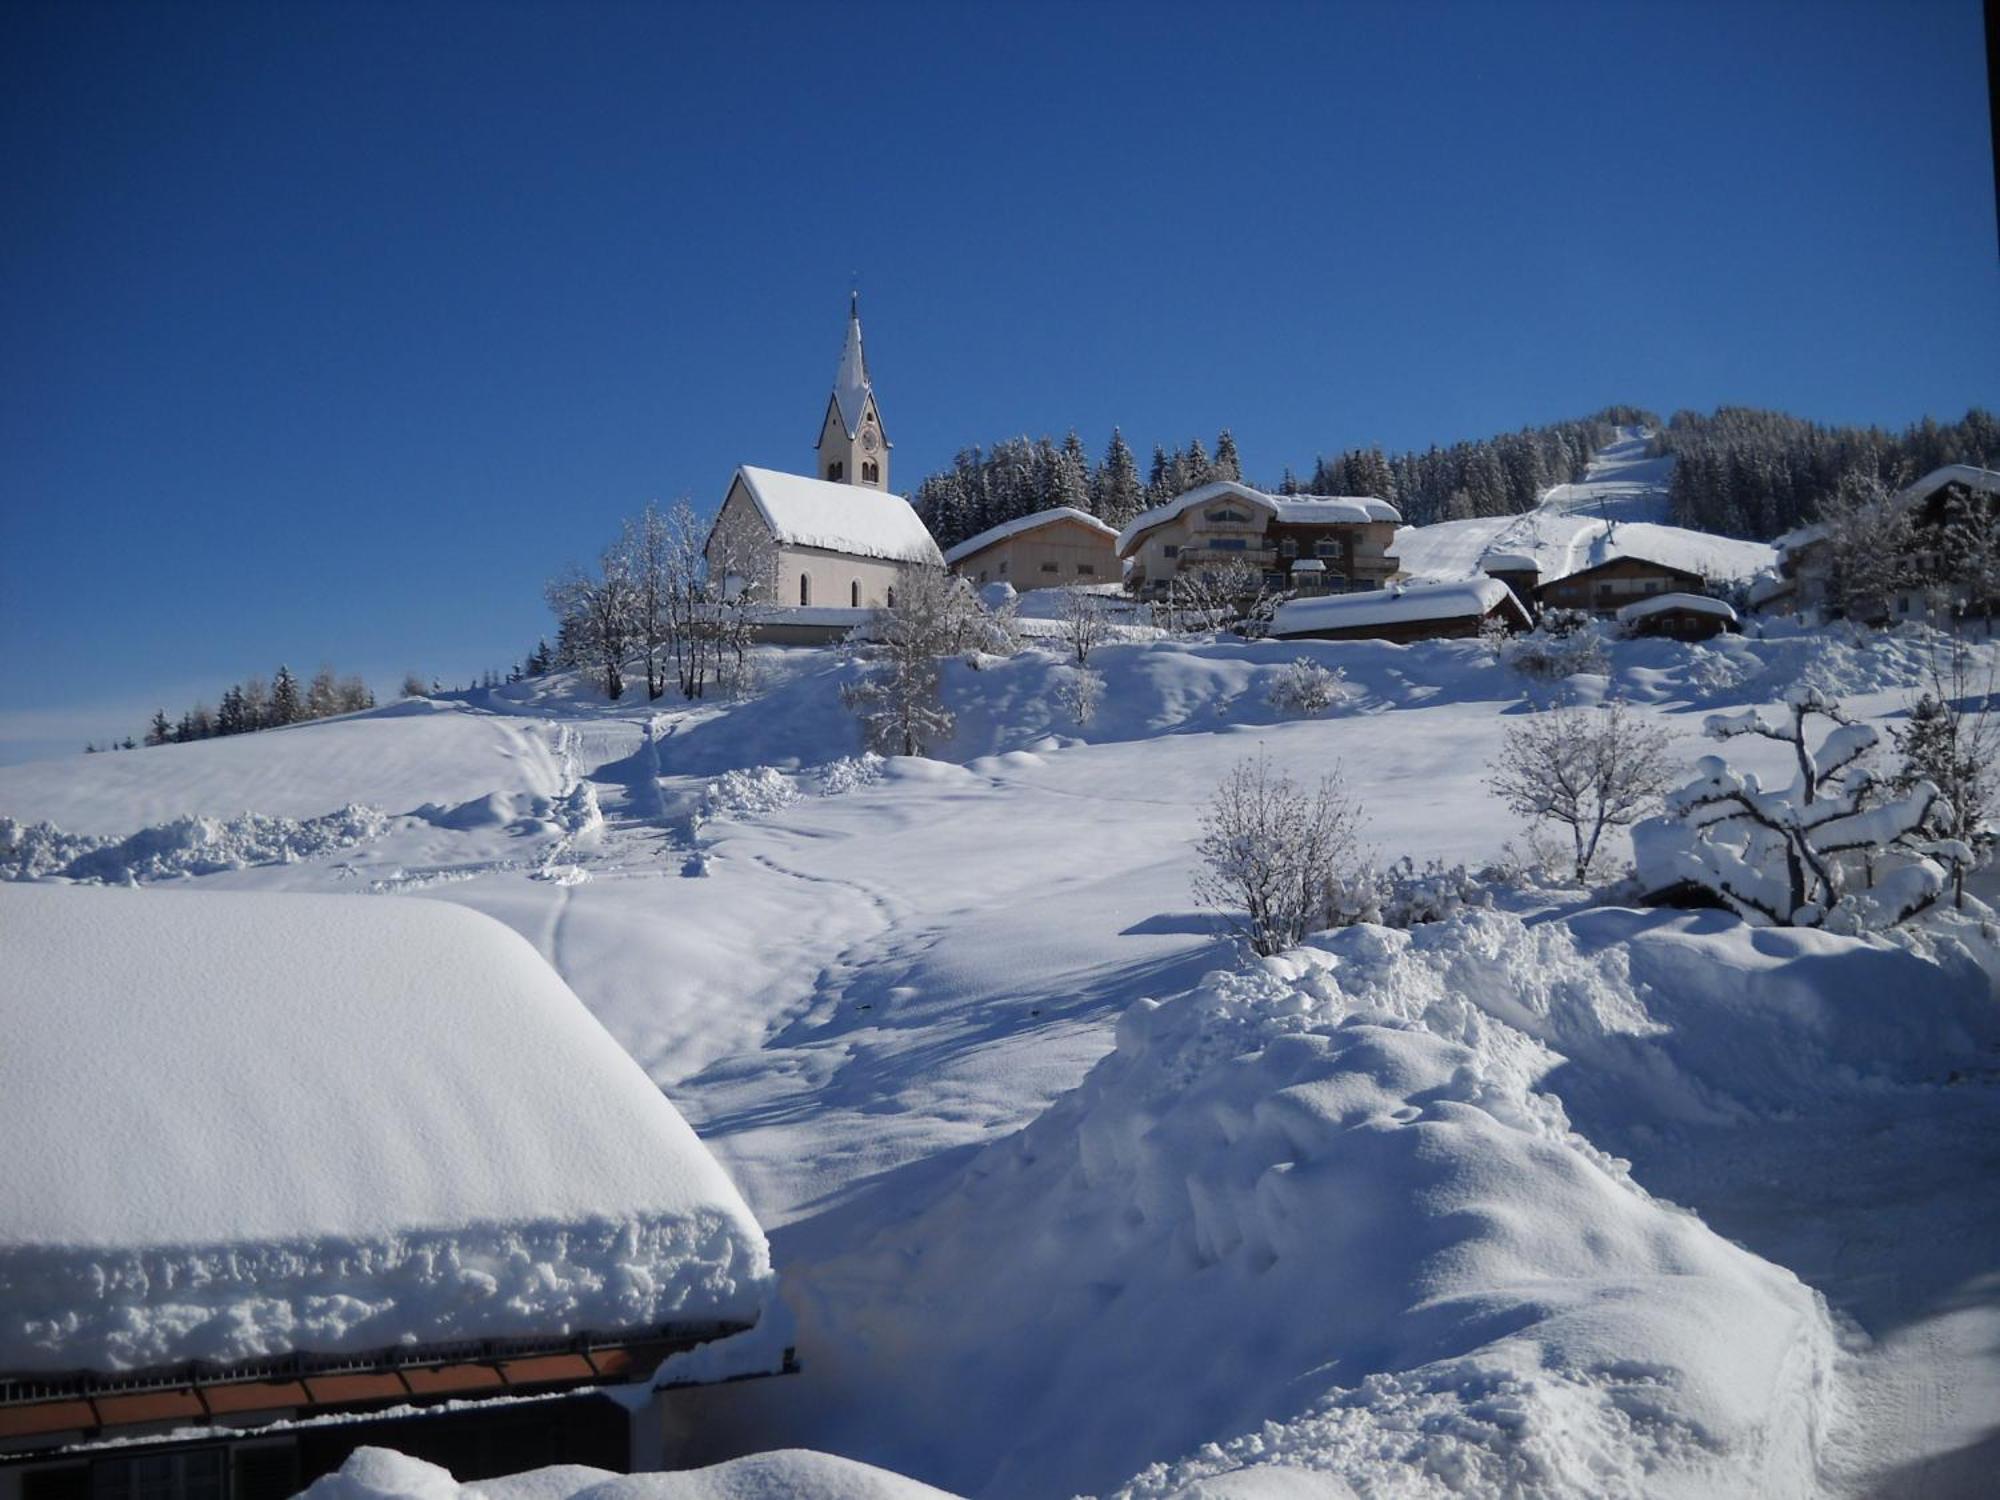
{"x": 1330, "y": 1214}
{"x": 246, "y": 1124}
{"x": 793, "y": 1474}
{"x": 186, "y": 846}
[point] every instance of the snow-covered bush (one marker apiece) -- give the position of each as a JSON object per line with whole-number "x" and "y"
{"x": 1404, "y": 895}
{"x": 185, "y": 846}
{"x": 849, "y": 772}
{"x": 1565, "y": 643}
{"x": 1274, "y": 854}
{"x": 1838, "y": 847}
{"x": 760, "y": 789}
{"x": 1584, "y": 769}
{"x": 1085, "y": 621}
{"x": 1306, "y": 688}
{"x": 1079, "y": 691}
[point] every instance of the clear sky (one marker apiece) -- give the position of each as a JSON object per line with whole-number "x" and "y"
{"x": 327, "y": 332}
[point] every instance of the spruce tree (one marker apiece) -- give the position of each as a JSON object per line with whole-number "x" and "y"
{"x": 285, "y": 705}
{"x": 1228, "y": 464}
{"x": 161, "y": 731}
{"x": 1119, "y": 494}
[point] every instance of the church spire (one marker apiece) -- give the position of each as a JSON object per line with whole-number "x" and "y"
{"x": 853, "y": 448}
{"x": 850, "y": 381}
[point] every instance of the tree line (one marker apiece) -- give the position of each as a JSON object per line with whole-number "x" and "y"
{"x": 986, "y": 486}
{"x": 254, "y": 704}
{"x": 1015, "y": 477}
{"x": 1744, "y": 472}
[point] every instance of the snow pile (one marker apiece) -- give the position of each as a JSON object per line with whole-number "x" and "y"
{"x": 761, "y": 789}
{"x": 186, "y": 846}
{"x": 849, "y": 772}
{"x": 1330, "y": 1213}
{"x": 792, "y": 1474}
{"x": 246, "y": 1124}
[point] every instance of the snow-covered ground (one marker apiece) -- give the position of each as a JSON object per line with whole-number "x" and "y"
{"x": 1619, "y": 508}
{"x": 1068, "y": 1196}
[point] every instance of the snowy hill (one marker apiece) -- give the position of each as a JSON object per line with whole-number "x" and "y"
{"x": 1494, "y": 1200}
{"x": 1618, "y": 509}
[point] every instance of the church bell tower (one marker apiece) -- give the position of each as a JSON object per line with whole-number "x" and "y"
{"x": 853, "y": 448}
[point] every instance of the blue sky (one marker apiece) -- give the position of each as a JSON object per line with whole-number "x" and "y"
{"x": 328, "y": 332}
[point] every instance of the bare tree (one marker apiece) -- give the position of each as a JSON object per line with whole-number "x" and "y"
{"x": 644, "y": 549}
{"x": 599, "y": 612}
{"x": 1588, "y": 769}
{"x": 1085, "y": 622}
{"x": 1274, "y": 854}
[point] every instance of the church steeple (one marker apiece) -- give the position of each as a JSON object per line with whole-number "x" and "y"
{"x": 853, "y": 447}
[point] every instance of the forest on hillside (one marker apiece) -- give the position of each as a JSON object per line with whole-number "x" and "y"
{"x": 1739, "y": 471}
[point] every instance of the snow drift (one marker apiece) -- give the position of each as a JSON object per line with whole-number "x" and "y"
{"x": 1331, "y": 1214}
{"x": 792, "y": 1474}
{"x": 241, "y": 1125}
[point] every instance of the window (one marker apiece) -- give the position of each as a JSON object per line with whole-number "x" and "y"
{"x": 836, "y": 470}
{"x": 805, "y": 588}
{"x": 1003, "y": 567}
{"x": 854, "y": 594}
{"x": 1288, "y": 546}
{"x": 187, "y": 1475}
{"x": 871, "y": 472}
{"x": 1171, "y": 550}
{"x": 1652, "y": 585}
{"x": 1327, "y": 546}
{"x": 1049, "y": 567}
{"x": 892, "y": 596}
{"x": 1228, "y": 543}
{"x": 1088, "y": 570}
{"x": 982, "y": 575}
{"x": 1227, "y": 516}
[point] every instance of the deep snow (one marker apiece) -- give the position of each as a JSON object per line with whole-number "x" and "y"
{"x": 861, "y": 980}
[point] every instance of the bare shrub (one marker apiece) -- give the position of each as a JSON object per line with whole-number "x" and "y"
{"x": 1274, "y": 854}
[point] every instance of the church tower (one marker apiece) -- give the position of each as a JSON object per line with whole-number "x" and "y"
{"x": 853, "y": 448}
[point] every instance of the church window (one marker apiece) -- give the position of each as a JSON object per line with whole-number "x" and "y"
{"x": 892, "y": 598}
{"x": 805, "y": 588}
{"x": 871, "y": 472}
{"x": 854, "y": 594}
{"x": 836, "y": 470}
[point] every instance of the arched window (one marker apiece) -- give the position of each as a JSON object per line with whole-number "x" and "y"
{"x": 892, "y": 597}
{"x": 854, "y": 594}
{"x": 805, "y": 588}
{"x": 836, "y": 469}
{"x": 871, "y": 472}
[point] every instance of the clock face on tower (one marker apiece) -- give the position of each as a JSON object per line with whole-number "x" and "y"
{"x": 868, "y": 439}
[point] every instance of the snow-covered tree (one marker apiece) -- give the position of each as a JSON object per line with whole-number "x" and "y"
{"x": 1586, "y": 769}
{"x": 900, "y": 701}
{"x": 322, "y": 694}
{"x": 286, "y": 705}
{"x": 1306, "y": 688}
{"x": 1837, "y": 847}
{"x": 1952, "y": 742}
{"x": 413, "y": 685}
{"x": 599, "y": 608}
{"x": 644, "y": 549}
{"x": 1871, "y": 548}
{"x": 160, "y": 732}
{"x": 1275, "y": 855}
{"x": 1228, "y": 462}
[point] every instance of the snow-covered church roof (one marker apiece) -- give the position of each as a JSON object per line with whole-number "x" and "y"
{"x": 800, "y": 511}
{"x": 1294, "y": 510}
{"x": 249, "y": 1124}
{"x": 1020, "y": 524}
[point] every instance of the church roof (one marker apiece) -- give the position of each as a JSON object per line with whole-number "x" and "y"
{"x": 834, "y": 517}
{"x": 850, "y": 382}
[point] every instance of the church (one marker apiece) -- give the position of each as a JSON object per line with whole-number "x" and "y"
{"x": 822, "y": 551}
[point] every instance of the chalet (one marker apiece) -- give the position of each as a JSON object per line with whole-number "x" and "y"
{"x": 1682, "y": 617}
{"x": 289, "y": 1175}
{"x": 823, "y": 552}
{"x": 1604, "y": 587}
{"x": 1051, "y": 548}
{"x": 1402, "y": 612}
{"x": 1225, "y": 523}
{"x": 1520, "y": 571}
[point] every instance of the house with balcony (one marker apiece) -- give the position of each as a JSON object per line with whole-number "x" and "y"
{"x": 1310, "y": 544}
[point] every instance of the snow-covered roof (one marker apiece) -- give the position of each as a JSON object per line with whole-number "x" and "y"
{"x": 804, "y": 512}
{"x": 1801, "y": 536}
{"x": 1394, "y": 605}
{"x": 1309, "y": 565}
{"x": 1510, "y": 562}
{"x": 1984, "y": 481}
{"x": 1296, "y": 510}
{"x": 1659, "y": 604}
{"x": 1020, "y": 524}
{"x": 1768, "y": 586}
{"x": 244, "y": 1124}
{"x": 850, "y": 380}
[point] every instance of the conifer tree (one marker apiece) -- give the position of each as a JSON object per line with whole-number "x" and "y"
{"x": 1119, "y": 495}
{"x": 161, "y": 731}
{"x": 285, "y": 705}
{"x": 1228, "y": 464}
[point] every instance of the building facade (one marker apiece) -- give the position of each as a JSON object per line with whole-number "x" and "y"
{"x": 1222, "y": 525}
{"x": 1050, "y": 549}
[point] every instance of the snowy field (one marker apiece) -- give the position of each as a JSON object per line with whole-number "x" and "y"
{"x": 1069, "y": 1196}
{"x": 1620, "y": 507}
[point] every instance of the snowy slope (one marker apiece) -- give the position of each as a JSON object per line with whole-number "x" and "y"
{"x": 1618, "y": 509}
{"x": 240, "y": 1124}
{"x": 856, "y": 976}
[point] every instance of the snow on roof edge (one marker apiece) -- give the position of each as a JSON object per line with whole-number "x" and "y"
{"x": 901, "y": 535}
{"x": 1394, "y": 604}
{"x": 1368, "y": 508}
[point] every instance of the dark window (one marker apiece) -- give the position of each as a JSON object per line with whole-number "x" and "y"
{"x": 1288, "y": 547}
{"x": 1171, "y": 550}
{"x": 854, "y": 594}
{"x": 191, "y": 1474}
{"x": 1228, "y": 515}
{"x": 1087, "y": 568}
{"x": 1228, "y": 543}
{"x": 836, "y": 470}
{"x": 871, "y": 471}
{"x": 1003, "y": 567}
{"x": 805, "y": 588}
{"x": 1327, "y": 546}
{"x": 1049, "y": 567}
{"x": 892, "y": 598}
